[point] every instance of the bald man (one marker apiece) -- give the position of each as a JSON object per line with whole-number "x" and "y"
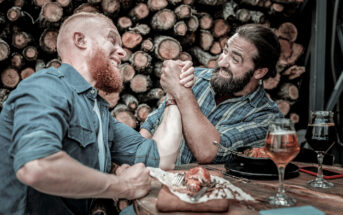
{"x": 58, "y": 139}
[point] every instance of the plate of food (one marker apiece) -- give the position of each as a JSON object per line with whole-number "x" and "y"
{"x": 254, "y": 163}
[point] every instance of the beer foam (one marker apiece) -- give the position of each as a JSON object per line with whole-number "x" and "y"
{"x": 282, "y": 132}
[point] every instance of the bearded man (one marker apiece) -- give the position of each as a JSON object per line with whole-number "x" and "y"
{"x": 58, "y": 139}
{"x": 227, "y": 105}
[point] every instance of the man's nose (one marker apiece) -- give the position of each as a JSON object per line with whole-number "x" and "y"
{"x": 223, "y": 60}
{"x": 121, "y": 52}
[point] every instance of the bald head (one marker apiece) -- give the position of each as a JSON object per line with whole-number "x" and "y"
{"x": 84, "y": 22}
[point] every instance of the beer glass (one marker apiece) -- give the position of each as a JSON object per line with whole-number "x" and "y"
{"x": 321, "y": 136}
{"x": 281, "y": 145}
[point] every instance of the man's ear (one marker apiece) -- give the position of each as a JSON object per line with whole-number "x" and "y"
{"x": 79, "y": 40}
{"x": 260, "y": 73}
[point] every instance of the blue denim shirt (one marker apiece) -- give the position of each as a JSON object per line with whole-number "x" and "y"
{"x": 51, "y": 111}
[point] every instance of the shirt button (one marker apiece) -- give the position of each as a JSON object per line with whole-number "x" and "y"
{"x": 92, "y": 91}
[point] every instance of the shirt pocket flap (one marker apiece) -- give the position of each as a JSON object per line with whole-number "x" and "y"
{"x": 84, "y": 136}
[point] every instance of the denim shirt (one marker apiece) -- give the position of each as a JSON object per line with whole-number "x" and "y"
{"x": 52, "y": 111}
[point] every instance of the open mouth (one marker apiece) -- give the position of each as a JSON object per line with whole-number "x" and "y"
{"x": 224, "y": 73}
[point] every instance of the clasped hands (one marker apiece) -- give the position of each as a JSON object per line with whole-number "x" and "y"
{"x": 176, "y": 77}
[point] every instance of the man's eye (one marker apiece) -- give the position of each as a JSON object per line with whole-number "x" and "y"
{"x": 235, "y": 59}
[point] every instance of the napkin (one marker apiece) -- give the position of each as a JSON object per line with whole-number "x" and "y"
{"x": 168, "y": 202}
{"x": 293, "y": 211}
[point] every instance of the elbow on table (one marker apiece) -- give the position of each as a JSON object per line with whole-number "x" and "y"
{"x": 205, "y": 158}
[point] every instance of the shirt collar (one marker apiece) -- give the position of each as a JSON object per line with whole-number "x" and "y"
{"x": 74, "y": 78}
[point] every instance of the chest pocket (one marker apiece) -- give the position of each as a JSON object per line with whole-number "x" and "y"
{"x": 83, "y": 136}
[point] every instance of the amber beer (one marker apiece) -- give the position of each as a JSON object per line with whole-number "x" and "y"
{"x": 282, "y": 146}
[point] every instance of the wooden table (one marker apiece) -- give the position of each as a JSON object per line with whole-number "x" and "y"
{"x": 330, "y": 201}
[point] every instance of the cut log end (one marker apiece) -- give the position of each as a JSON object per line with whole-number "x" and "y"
{"x": 26, "y": 72}
{"x": 10, "y": 77}
{"x": 142, "y": 112}
{"x": 167, "y": 48}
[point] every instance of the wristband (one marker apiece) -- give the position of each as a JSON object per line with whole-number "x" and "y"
{"x": 170, "y": 102}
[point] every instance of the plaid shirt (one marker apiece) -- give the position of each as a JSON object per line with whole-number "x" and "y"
{"x": 240, "y": 121}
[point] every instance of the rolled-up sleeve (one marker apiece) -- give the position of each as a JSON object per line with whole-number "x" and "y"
{"x": 39, "y": 111}
{"x": 154, "y": 119}
{"x": 130, "y": 147}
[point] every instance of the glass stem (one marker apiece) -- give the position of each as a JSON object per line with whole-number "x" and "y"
{"x": 320, "y": 157}
{"x": 281, "y": 170}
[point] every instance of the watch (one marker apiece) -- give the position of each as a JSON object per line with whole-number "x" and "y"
{"x": 170, "y": 102}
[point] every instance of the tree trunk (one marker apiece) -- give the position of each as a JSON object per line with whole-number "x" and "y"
{"x": 123, "y": 115}
{"x": 180, "y": 28}
{"x": 163, "y": 20}
{"x": 206, "y": 40}
{"x": 142, "y": 112}
{"x": 130, "y": 101}
{"x": 21, "y": 39}
{"x": 205, "y": 21}
{"x": 140, "y": 83}
{"x": 294, "y": 72}
{"x": 139, "y": 12}
{"x": 10, "y": 78}
{"x": 30, "y": 53}
{"x": 288, "y": 91}
{"x": 26, "y": 72}
{"x": 193, "y": 23}
{"x": 127, "y": 71}
{"x": 183, "y": 11}
{"x": 4, "y": 50}
{"x": 167, "y": 48}
{"x": 17, "y": 60}
{"x": 48, "y": 40}
{"x": 110, "y": 7}
{"x": 147, "y": 45}
{"x": 131, "y": 39}
{"x": 220, "y": 28}
{"x": 141, "y": 61}
{"x": 156, "y": 5}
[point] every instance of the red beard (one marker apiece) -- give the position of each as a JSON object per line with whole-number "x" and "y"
{"x": 106, "y": 76}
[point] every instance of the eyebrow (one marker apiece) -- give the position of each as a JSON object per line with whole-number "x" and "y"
{"x": 238, "y": 54}
{"x": 114, "y": 36}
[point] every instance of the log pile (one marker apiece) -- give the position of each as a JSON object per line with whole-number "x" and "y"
{"x": 152, "y": 31}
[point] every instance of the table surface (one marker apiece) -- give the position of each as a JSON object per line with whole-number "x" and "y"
{"x": 330, "y": 201}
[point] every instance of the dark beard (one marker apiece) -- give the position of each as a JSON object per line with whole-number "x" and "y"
{"x": 228, "y": 86}
{"x": 107, "y": 78}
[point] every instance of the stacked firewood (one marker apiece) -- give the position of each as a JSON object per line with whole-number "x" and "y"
{"x": 152, "y": 31}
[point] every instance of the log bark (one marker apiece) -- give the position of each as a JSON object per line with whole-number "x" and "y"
{"x": 14, "y": 13}
{"x": 284, "y": 106}
{"x": 167, "y": 48}
{"x": 163, "y": 20}
{"x": 21, "y": 39}
{"x": 110, "y": 7}
{"x": 184, "y": 56}
{"x": 174, "y": 2}
{"x": 124, "y": 23}
{"x": 243, "y": 15}
{"x": 54, "y": 62}
{"x": 3, "y": 96}
{"x": 142, "y": 112}
{"x": 26, "y": 72}
{"x": 229, "y": 10}
{"x": 206, "y": 40}
{"x": 147, "y": 45}
{"x": 276, "y": 8}
{"x": 64, "y": 3}
{"x": 257, "y": 16}
{"x": 180, "y": 28}
{"x": 123, "y": 115}
{"x": 193, "y": 23}
{"x": 131, "y": 39}
{"x": 287, "y": 31}
{"x": 157, "y": 69}
{"x": 40, "y": 3}
{"x": 130, "y": 101}
{"x": 153, "y": 94}
{"x": 139, "y": 12}
{"x": 183, "y": 11}
{"x": 50, "y": 15}
{"x": 141, "y": 61}
{"x": 216, "y": 49}
{"x": 205, "y": 21}
{"x": 40, "y": 64}
{"x": 140, "y": 83}
{"x": 48, "y": 40}
{"x": 189, "y": 2}
{"x": 288, "y": 91}
{"x": 17, "y": 60}
{"x": 127, "y": 71}
{"x": 30, "y": 53}
{"x": 19, "y": 3}
{"x": 293, "y": 72}
{"x": 220, "y": 28}
{"x": 86, "y": 7}
{"x": 142, "y": 29}
{"x": 272, "y": 82}
{"x": 156, "y": 5}
{"x": 4, "y": 50}
{"x": 204, "y": 58}
{"x": 10, "y": 77}
{"x": 212, "y": 2}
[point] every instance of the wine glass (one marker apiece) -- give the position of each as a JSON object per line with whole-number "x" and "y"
{"x": 281, "y": 147}
{"x": 321, "y": 136}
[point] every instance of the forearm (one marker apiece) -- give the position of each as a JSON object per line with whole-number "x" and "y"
{"x": 197, "y": 129}
{"x": 168, "y": 137}
{"x": 61, "y": 175}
